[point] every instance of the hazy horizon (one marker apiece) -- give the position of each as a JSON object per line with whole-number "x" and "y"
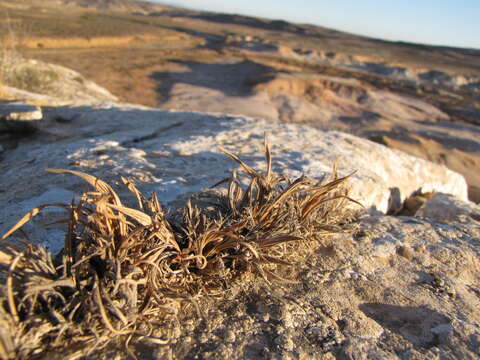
{"x": 433, "y": 22}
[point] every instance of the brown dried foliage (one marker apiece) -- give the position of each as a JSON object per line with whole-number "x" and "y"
{"x": 125, "y": 274}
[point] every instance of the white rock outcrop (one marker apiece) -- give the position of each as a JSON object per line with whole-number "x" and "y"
{"x": 18, "y": 116}
{"x": 401, "y": 288}
{"x": 176, "y": 154}
{"x": 55, "y": 81}
{"x": 398, "y": 287}
{"x": 447, "y": 207}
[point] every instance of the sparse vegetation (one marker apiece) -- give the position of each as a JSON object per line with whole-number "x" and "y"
{"x": 14, "y": 71}
{"x": 9, "y": 53}
{"x": 126, "y": 274}
{"x": 31, "y": 78}
{"x": 84, "y": 24}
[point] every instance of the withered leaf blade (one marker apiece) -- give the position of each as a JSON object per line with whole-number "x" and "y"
{"x": 279, "y": 239}
{"x": 28, "y": 216}
{"x": 98, "y": 184}
{"x": 245, "y": 167}
{"x": 123, "y": 268}
{"x": 133, "y": 189}
{"x": 268, "y": 158}
{"x": 137, "y": 215}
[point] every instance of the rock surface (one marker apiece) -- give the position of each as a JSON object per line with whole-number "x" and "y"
{"x": 395, "y": 287}
{"x": 403, "y": 120}
{"x": 55, "y": 81}
{"x": 400, "y": 288}
{"x": 447, "y": 207}
{"x": 176, "y": 154}
{"x": 18, "y": 116}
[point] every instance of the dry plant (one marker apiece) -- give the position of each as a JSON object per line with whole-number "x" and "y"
{"x": 125, "y": 274}
{"x": 9, "y": 52}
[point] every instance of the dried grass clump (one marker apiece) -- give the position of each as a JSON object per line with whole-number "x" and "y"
{"x": 10, "y": 41}
{"x": 125, "y": 273}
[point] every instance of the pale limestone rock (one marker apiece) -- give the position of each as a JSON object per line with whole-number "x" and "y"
{"x": 59, "y": 82}
{"x": 399, "y": 287}
{"x": 18, "y": 116}
{"x": 446, "y": 207}
{"x": 353, "y": 302}
{"x": 176, "y": 154}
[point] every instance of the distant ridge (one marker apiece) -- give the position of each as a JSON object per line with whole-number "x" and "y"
{"x": 118, "y": 5}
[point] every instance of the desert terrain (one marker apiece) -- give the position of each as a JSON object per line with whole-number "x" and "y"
{"x": 421, "y": 99}
{"x": 346, "y": 228}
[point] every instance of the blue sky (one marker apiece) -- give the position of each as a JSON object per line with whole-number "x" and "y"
{"x": 439, "y": 22}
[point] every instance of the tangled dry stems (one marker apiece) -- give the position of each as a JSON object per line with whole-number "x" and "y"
{"x": 10, "y": 40}
{"x": 124, "y": 273}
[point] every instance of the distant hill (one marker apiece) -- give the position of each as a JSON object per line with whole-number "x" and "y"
{"x": 118, "y": 5}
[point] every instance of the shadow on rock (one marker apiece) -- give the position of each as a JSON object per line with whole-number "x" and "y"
{"x": 416, "y": 324}
{"x": 230, "y": 78}
{"x": 366, "y": 118}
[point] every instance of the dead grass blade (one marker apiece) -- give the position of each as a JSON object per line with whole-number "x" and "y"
{"x": 244, "y": 166}
{"x": 10, "y": 297}
{"x": 103, "y": 312}
{"x": 276, "y": 240}
{"x": 5, "y": 258}
{"x": 283, "y": 196}
{"x": 124, "y": 270}
{"x": 96, "y": 183}
{"x": 268, "y": 158}
{"x": 137, "y": 215}
{"x": 28, "y": 216}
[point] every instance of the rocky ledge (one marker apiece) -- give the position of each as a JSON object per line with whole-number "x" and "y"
{"x": 397, "y": 287}
{"x": 18, "y": 116}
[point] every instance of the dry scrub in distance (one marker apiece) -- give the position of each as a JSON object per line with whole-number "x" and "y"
{"x": 124, "y": 272}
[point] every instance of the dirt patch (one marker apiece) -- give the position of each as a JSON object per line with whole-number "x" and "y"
{"x": 101, "y": 42}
